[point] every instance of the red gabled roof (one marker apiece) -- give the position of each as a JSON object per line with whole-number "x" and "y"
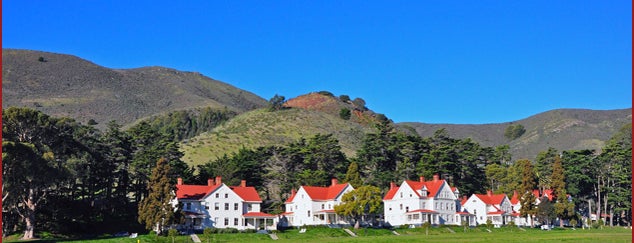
{"x": 432, "y": 187}
{"x": 515, "y": 199}
{"x": 324, "y": 193}
{"x": 547, "y": 192}
{"x": 491, "y": 198}
{"x": 247, "y": 193}
{"x": 194, "y": 192}
{"x": 390, "y": 194}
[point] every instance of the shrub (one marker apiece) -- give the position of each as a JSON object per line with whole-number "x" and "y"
{"x": 345, "y": 113}
{"x": 344, "y": 98}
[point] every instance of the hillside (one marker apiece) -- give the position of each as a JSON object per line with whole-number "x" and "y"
{"x": 563, "y": 129}
{"x": 65, "y": 85}
{"x": 262, "y": 128}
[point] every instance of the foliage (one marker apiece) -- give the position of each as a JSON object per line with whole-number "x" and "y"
{"x": 513, "y": 132}
{"x": 363, "y": 201}
{"x": 345, "y": 114}
{"x": 353, "y": 176}
{"x": 527, "y": 185}
{"x": 276, "y": 103}
{"x": 344, "y": 98}
{"x": 156, "y": 210}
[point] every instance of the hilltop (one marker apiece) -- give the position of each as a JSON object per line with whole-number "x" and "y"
{"x": 65, "y": 85}
{"x": 562, "y": 129}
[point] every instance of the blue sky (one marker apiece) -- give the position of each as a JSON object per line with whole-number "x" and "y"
{"x": 425, "y": 61}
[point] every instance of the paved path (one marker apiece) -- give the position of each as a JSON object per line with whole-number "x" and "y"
{"x": 195, "y": 238}
{"x": 350, "y": 232}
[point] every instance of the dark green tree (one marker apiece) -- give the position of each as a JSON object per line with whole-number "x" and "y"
{"x": 276, "y": 103}
{"x": 156, "y": 211}
{"x": 515, "y": 131}
{"x": 527, "y": 199}
{"x": 345, "y": 113}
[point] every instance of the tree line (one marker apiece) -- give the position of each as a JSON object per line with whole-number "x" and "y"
{"x": 68, "y": 178}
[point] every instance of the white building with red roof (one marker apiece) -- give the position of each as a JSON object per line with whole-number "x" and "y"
{"x": 220, "y": 206}
{"x": 496, "y": 207}
{"x": 314, "y": 205}
{"x": 417, "y": 202}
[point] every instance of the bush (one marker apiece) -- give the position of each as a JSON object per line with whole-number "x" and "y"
{"x": 326, "y": 93}
{"x": 344, "y": 98}
{"x": 345, "y": 113}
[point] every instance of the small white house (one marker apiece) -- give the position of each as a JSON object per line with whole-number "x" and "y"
{"x": 220, "y": 206}
{"x": 313, "y": 205}
{"x": 496, "y": 207}
{"x": 417, "y": 202}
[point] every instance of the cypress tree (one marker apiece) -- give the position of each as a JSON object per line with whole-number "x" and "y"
{"x": 156, "y": 211}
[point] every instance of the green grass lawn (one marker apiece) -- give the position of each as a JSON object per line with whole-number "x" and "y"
{"x": 442, "y": 234}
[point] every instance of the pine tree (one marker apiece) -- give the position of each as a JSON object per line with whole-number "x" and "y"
{"x": 352, "y": 175}
{"x": 527, "y": 199}
{"x": 564, "y": 208}
{"x": 156, "y": 211}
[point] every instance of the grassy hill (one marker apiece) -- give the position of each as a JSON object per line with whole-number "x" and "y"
{"x": 65, "y": 85}
{"x": 262, "y": 128}
{"x": 563, "y": 129}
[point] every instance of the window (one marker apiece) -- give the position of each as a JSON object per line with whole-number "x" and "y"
{"x": 401, "y": 206}
{"x": 416, "y": 216}
{"x": 235, "y": 206}
{"x": 322, "y": 206}
{"x": 401, "y": 194}
{"x": 308, "y": 213}
{"x": 226, "y": 221}
{"x": 410, "y": 195}
{"x": 226, "y": 206}
{"x": 217, "y": 206}
{"x": 406, "y": 209}
{"x": 188, "y": 206}
{"x": 250, "y": 207}
{"x": 409, "y": 217}
{"x": 217, "y": 195}
{"x": 235, "y": 221}
{"x": 226, "y": 195}
{"x": 216, "y": 221}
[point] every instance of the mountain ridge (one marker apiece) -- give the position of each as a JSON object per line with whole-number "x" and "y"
{"x": 66, "y": 85}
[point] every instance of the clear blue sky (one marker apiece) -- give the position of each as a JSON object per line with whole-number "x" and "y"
{"x": 424, "y": 61}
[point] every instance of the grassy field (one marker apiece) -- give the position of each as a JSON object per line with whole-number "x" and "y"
{"x": 442, "y": 234}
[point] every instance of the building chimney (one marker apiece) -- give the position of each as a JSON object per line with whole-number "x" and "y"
{"x": 218, "y": 180}
{"x": 436, "y": 177}
{"x": 210, "y": 182}
{"x": 392, "y": 185}
{"x": 179, "y": 181}
{"x": 243, "y": 183}
{"x": 333, "y": 182}
{"x": 489, "y": 193}
{"x": 421, "y": 179}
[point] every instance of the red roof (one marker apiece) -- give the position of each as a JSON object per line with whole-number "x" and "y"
{"x": 247, "y": 193}
{"x": 258, "y": 215}
{"x": 491, "y": 198}
{"x": 422, "y": 211}
{"x": 432, "y": 187}
{"x": 547, "y": 192}
{"x": 390, "y": 194}
{"x": 327, "y": 211}
{"x": 324, "y": 193}
{"x": 194, "y": 192}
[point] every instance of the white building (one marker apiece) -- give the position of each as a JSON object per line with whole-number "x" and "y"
{"x": 312, "y": 205}
{"x": 220, "y": 206}
{"x": 417, "y": 202}
{"x": 496, "y": 207}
